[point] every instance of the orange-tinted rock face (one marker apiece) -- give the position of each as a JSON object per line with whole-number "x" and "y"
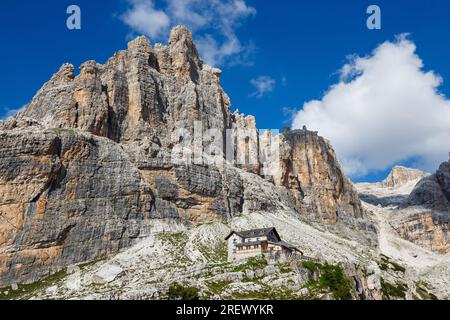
{"x": 426, "y": 231}
{"x": 309, "y": 168}
{"x": 58, "y": 192}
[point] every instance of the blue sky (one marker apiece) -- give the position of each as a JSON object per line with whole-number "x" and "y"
{"x": 298, "y": 47}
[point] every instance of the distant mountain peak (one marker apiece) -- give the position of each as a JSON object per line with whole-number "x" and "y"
{"x": 401, "y": 175}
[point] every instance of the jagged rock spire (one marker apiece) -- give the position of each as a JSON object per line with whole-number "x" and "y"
{"x": 185, "y": 58}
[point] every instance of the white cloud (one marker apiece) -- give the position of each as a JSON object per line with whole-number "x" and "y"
{"x": 213, "y": 22}
{"x": 215, "y": 53}
{"x": 386, "y": 109}
{"x": 193, "y": 13}
{"x": 144, "y": 18}
{"x": 263, "y": 85}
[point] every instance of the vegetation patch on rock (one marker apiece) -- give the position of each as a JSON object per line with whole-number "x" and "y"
{"x": 332, "y": 278}
{"x": 25, "y": 291}
{"x": 392, "y": 291}
{"x": 181, "y": 292}
{"x": 386, "y": 263}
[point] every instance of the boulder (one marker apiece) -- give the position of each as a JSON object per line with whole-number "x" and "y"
{"x": 107, "y": 273}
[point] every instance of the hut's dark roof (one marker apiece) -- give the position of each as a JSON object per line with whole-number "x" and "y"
{"x": 254, "y": 233}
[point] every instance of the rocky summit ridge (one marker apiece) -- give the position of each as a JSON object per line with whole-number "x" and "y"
{"x": 93, "y": 163}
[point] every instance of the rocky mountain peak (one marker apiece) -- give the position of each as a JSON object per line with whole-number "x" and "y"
{"x": 140, "y": 49}
{"x": 64, "y": 74}
{"x": 400, "y": 176}
{"x": 140, "y": 44}
{"x": 185, "y": 58}
{"x": 181, "y": 38}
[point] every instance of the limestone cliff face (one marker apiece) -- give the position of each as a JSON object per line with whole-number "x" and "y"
{"x": 65, "y": 197}
{"x": 433, "y": 191}
{"x": 431, "y": 229}
{"x": 424, "y": 228}
{"x": 88, "y": 166}
{"x": 245, "y": 144}
{"x": 311, "y": 171}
